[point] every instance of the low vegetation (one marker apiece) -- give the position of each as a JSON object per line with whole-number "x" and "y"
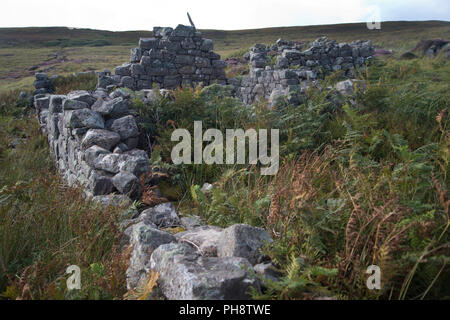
{"x": 362, "y": 181}
{"x": 46, "y": 226}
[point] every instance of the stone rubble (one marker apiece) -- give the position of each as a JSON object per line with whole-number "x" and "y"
{"x": 286, "y": 70}
{"x": 203, "y": 262}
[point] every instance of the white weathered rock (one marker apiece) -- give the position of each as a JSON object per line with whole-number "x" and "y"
{"x": 135, "y": 162}
{"x": 345, "y": 87}
{"x": 207, "y": 187}
{"x": 190, "y": 223}
{"x": 108, "y": 162}
{"x": 267, "y": 271}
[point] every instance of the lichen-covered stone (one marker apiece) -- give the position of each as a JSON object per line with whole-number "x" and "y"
{"x": 83, "y": 118}
{"x": 125, "y": 182}
{"x": 185, "y": 275}
{"x": 241, "y": 240}
{"x": 144, "y": 239}
{"x": 205, "y": 238}
{"x": 103, "y": 138}
{"x": 126, "y": 127}
{"x": 163, "y": 215}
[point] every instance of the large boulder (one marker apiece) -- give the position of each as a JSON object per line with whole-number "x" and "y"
{"x": 241, "y": 240}
{"x": 123, "y": 70}
{"x": 126, "y": 127}
{"x": 83, "y": 118}
{"x": 144, "y": 238}
{"x": 70, "y": 104}
{"x": 163, "y": 215}
{"x": 92, "y": 153}
{"x": 102, "y": 138}
{"x": 100, "y": 184}
{"x": 207, "y": 45}
{"x": 108, "y": 162}
{"x": 185, "y": 275}
{"x": 114, "y": 108}
{"x": 183, "y": 31}
{"x": 205, "y": 238}
{"x": 148, "y": 43}
{"x": 81, "y": 95}
{"x": 134, "y": 162}
{"x": 125, "y": 182}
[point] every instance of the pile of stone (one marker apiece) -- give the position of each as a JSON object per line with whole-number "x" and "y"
{"x": 173, "y": 58}
{"x": 43, "y": 84}
{"x": 203, "y": 262}
{"x": 432, "y": 48}
{"x": 94, "y": 138}
{"x": 285, "y": 69}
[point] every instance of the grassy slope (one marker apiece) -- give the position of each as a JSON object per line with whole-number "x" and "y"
{"x": 23, "y": 51}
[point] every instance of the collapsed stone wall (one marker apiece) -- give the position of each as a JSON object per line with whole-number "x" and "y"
{"x": 93, "y": 138}
{"x": 201, "y": 263}
{"x": 285, "y": 69}
{"x": 172, "y": 58}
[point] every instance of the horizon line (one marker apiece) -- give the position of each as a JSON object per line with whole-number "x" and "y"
{"x": 262, "y": 28}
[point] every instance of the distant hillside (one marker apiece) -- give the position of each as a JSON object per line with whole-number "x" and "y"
{"x": 390, "y": 33}
{"x": 65, "y": 37}
{"x": 59, "y": 50}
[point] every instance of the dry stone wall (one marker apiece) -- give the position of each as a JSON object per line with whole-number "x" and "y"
{"x": 172, "y": 58}
{"x": 93, "y": 138}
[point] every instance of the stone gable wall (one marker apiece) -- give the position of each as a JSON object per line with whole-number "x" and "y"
{"x": 172, "y": 58}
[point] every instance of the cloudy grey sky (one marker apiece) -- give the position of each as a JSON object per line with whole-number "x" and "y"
{"x": 208, "y": 14}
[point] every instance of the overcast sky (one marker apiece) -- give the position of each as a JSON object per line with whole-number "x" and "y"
{"x": 225, "y": 14}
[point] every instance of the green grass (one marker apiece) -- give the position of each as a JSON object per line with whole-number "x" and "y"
{"x": 18, "y": 64}
{"x": 46, "y": 226}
